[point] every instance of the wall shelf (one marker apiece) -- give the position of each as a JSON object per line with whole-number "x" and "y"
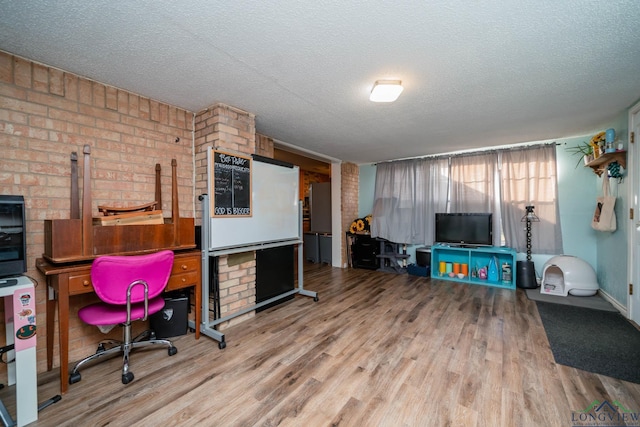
{"x": 601, "y": 164}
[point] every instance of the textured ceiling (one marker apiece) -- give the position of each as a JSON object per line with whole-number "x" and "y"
{"x": 476, "y": 74}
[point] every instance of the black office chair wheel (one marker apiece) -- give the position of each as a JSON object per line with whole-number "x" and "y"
{"x": 100, "y": 348}
{"x": 172, "y": 350}
{"x": 316, "y": 299}
{"x": 222, "y": 345}
{"x": 74, "y": 378}
{"x": 127, "y": 378}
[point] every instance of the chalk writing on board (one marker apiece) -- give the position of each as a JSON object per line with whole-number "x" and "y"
{"x": 231, "y": 185}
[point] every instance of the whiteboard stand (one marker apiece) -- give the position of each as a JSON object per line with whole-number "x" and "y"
{"x": 208, "y": 326}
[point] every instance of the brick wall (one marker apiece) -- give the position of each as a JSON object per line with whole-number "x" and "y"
{"x": 45, "y": 114}
{"x": 264, "y": 145}
{"x": 349, "y": 173}
{"x": 226, "y": 128}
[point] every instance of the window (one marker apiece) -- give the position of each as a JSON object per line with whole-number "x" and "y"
{"x": 408, "y": 193}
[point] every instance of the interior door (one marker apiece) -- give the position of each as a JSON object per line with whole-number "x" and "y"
{"x": 634, "y": 233}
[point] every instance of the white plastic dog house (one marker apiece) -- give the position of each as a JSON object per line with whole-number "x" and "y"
{"x": 565, "y": 274}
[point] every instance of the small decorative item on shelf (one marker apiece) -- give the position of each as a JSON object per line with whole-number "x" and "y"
{"x": 610, "y": 138}
{"x": 492, "y": 270}
{"x": 361, "y": 225}
{"x": 449, "y": 269}
{"x": 598, "y": 143}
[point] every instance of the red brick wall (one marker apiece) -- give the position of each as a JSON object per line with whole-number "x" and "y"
{"x": 45, "y": 114}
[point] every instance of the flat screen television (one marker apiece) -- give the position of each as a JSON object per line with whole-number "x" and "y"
{"x": 465, "y": 229}
{"x": 13, "y": 247}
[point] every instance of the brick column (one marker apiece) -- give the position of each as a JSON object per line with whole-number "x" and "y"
{"x": 264, "y": 146}
{"x": 227, "y": 128}
{"x": 350, "y": 178}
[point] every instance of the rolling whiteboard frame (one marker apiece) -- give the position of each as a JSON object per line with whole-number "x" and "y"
{"x": 208, "y": 250}
{"x": 274, "y": 208}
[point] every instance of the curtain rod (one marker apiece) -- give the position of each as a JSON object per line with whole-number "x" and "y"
{"x": 464, "y": 153}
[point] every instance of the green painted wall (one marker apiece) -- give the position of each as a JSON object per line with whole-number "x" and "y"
{"x": 612, "y": 256}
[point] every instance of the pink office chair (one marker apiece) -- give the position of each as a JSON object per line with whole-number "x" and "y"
{"x": 130, "y": 288}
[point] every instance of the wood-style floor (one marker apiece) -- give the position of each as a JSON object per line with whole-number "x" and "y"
{"x": 377, "y": 349}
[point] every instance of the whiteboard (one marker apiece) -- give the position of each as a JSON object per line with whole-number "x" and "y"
{"x": 275, "y": 210}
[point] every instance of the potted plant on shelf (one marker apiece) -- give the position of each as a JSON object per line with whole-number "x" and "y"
{"x": 584, "y": 151}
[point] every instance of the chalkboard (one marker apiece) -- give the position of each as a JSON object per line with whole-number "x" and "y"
{"x": 275, "y": 205}
{"x": 231, "y": 185}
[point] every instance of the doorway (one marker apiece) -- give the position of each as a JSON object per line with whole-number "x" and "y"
{"x": 314, "y": 171}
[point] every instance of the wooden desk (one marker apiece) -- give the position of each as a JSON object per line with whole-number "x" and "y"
{"x": 75, "y": 279}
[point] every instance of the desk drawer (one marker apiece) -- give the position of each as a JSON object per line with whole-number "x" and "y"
{"x": 185, "y": 265}
{"x": 181, "y": 281}
{"x": 80, "y": 283}
{"x": 184, "y": 273}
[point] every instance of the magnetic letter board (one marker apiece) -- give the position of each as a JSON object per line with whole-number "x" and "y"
{"x": 231, "y": 185}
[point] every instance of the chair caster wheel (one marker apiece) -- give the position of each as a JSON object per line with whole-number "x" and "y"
{"x": 316, "y": 299}
{"x": 127, "y": 378}
{"x": 101, "y": 348}
{"x": 74, "y": 378}
{"x": 222, "y": 345}
{"x": 172, "y": 351}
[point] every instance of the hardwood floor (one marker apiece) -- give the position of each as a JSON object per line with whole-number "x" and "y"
{"x": 378, "y": 349}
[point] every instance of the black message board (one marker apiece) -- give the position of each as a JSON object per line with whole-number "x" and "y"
{"x": 231, "y": 185}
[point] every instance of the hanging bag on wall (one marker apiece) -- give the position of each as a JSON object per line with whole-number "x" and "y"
{"x": 604, "y": 217}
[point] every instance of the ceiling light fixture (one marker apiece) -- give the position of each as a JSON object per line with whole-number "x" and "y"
{"x": 386, "y": 90}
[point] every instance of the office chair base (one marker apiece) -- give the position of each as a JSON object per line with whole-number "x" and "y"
{"x": 127, "y": 378}
{"x": 120, "y": 348}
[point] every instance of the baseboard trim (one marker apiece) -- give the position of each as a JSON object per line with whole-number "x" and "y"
{"x": 622, "y": 309}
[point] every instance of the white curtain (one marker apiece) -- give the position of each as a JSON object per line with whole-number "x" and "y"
{"x": 529, "y": 178}
{"x": 473, "y": 187}
{"x": 407, "y": 195}
{"x": 472, "y": 182}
